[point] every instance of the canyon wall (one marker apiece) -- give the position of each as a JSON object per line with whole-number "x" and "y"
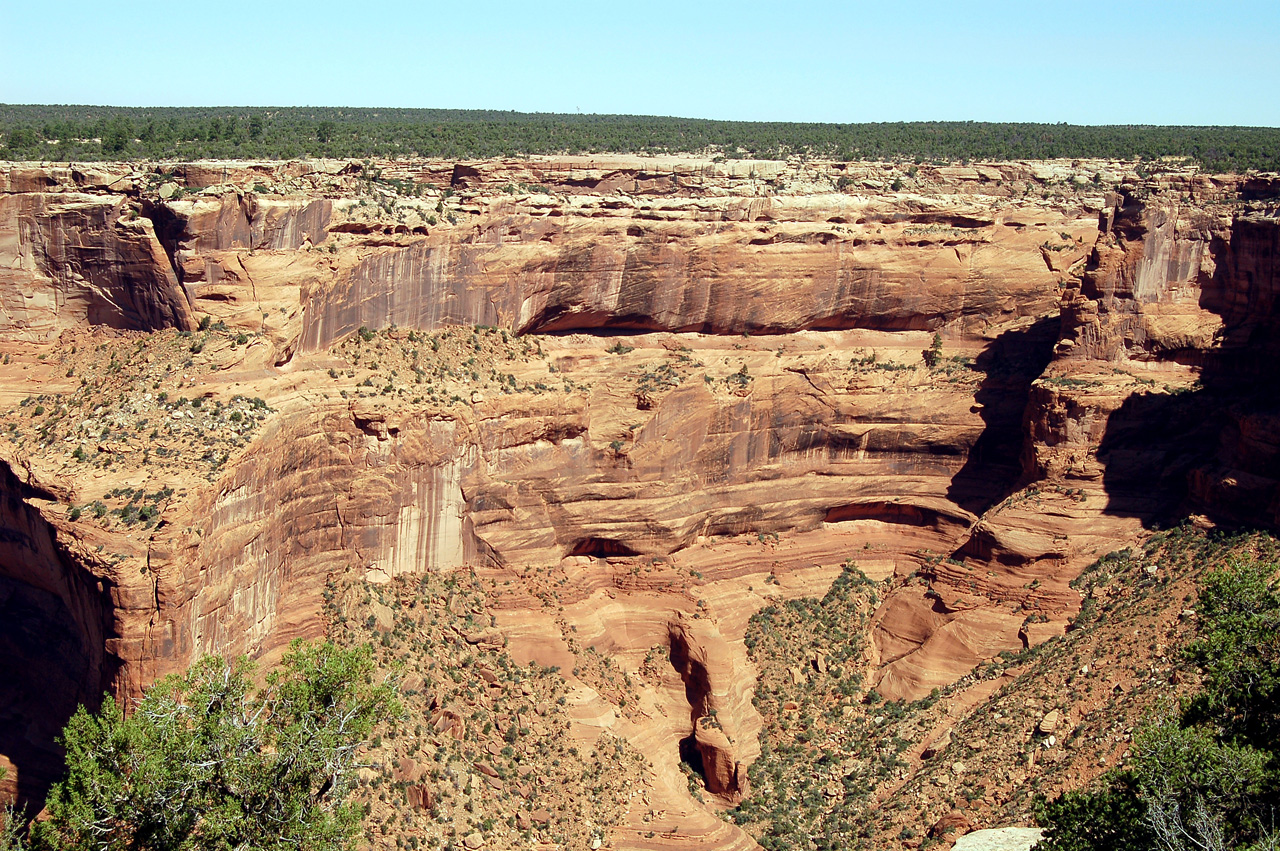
{"x": 683, "y": 386}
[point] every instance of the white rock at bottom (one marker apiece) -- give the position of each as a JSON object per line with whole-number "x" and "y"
{"x": 999, "y": 839}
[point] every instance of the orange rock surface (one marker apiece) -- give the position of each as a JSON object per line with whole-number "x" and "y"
{"x": 656, "y": 394}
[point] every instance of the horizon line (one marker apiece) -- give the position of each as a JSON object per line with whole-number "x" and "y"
{"x": 641, "y": 115}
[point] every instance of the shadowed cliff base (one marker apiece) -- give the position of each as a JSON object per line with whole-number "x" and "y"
{"x": 1010, "y": 364}
{"x": 53, "y": 628}
{"x": 43, "y": 664}
{"x": 1214, "y": 449}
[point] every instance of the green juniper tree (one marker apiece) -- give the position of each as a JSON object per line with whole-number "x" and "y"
{"x": 208, "y": 762}
{"x": 1206, "y": 777}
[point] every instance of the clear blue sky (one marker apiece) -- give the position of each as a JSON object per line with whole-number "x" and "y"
{"x": 1116, "y": 62}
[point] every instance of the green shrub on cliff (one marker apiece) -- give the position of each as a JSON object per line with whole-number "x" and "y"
{"x": 206, "y": 761}
{"x": 10, "y": 824}
{"x": 1208, "y": 776}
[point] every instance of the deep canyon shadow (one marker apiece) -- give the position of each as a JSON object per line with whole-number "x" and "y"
{"x": 42, "y": 665}
{"x": 53, "y": 627}
{"x": 1213, "y": 450}
{"x": 1009, "y": 365}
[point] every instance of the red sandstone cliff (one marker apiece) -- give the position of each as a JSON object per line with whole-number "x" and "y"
{"x": 767, "y": 413}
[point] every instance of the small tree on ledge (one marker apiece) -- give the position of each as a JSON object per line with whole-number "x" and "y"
{"x": 933, "y": 355}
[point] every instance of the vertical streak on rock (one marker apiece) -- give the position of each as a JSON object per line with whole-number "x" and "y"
{"x": 428, "y": 533}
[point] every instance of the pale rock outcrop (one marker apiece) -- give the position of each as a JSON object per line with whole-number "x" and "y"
{"x": 999, "y": 839}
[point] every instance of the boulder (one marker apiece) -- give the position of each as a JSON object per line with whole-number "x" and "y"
{"x": 420, "y": 796}
{"x": 953, "y": 823}
{"x": 1049, "y": 723}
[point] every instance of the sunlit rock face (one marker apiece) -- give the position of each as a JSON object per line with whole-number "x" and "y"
{"x": 700, "y": 388}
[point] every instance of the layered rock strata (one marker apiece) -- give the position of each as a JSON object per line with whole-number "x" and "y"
{"x": 665, "y": 392}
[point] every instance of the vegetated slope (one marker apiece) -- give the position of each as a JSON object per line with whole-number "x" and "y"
{"x": 484, "y": 750}
{"x": 846, "y": 769}
{"x": 45, "y": 132}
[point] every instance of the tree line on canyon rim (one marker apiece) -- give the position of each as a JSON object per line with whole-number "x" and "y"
{"x": 86, "y": 133}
